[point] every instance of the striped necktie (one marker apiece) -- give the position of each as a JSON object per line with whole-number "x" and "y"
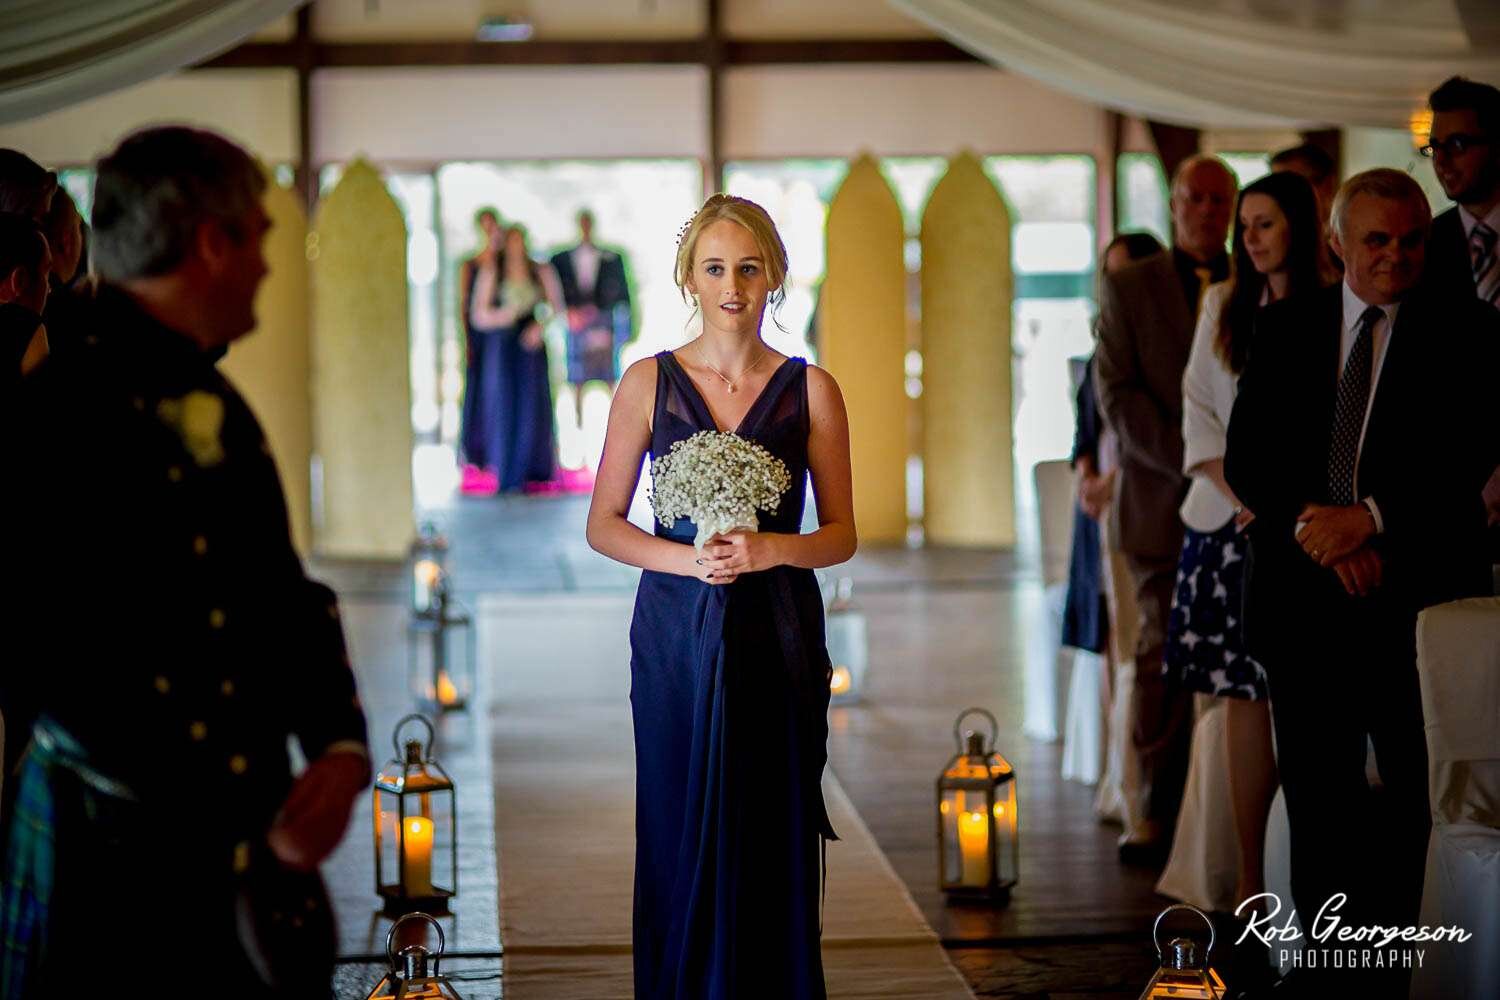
{"x": 1349, "y": 411}
{"x": 1486, "y": 262}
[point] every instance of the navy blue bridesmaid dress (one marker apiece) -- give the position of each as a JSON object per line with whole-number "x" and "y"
{"x": 507, "y": 411}
{"x": 729, "y": 690}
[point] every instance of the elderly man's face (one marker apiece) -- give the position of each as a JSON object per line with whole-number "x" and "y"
{"x": 1472, "y": 176}
{"x": 1202, "y": 205}
{"x": 237, "y": 265}
{"x": 1383, "y": 244}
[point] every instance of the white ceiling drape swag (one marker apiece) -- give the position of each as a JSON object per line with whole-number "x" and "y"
{"x": 54, "y": 53}
{"x": 1233, "y": 63}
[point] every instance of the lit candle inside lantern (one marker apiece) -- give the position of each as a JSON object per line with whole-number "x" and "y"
{"x": 426, "y": 572}
{"x": 842, "y": 680}
{"x": 974, "y": 846}
{"x": 417, "y": 845}
{"x": 446, "y": 691}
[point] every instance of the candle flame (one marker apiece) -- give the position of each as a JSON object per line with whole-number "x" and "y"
{"x": 447, "y": 692}
{"x": 842, "y": 680}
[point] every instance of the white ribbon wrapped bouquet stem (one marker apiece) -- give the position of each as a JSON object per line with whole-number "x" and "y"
{"x": 719, "y": 481}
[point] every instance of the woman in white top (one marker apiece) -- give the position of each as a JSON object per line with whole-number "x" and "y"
{"x": 1277, "y": 252}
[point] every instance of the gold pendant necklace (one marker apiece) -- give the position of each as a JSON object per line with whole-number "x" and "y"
{"x": 725, "y": 378}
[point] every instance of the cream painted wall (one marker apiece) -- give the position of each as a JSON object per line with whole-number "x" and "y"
{"x": 424, "y": 116}
{"x": 428, "y": 20}
{"x": 408, "y": 20}
{"x": 256, "y": 108}
{"x": 431, "y": 115}
{"x": 823, "y": 19}
{"x": 778, "y": 111}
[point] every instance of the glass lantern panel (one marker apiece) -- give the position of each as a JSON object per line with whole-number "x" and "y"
{"x": 1185, "y": 985}
{"x": 1007, "y": 834}
{"x": 387, "y": 822}
{"x": 417, "y": 989}
{"x": 966, "y": 847}
{"x": 426, "y": 568}
{"x": 441, "y": 663}
{"x": 848, "y": 648}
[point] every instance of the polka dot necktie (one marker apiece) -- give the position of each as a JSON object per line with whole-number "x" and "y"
{"x": 1486, "y": 262}
{"x": 1349, "y": 411}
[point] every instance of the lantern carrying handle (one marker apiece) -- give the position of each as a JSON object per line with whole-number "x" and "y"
{"x": 431, "y": 735}
{"x": 390, "y": 938}
{"x": 1156, "y": 927}
{"x": 958, "y": 736}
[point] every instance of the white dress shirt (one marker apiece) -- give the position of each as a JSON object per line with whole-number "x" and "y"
{"x": 1354, "y": 308}
{"x": 585, "y": 258}
{"x": 1208, "y": 390}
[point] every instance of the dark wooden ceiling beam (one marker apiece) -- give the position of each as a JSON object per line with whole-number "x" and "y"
{"x": 689, "y": 51}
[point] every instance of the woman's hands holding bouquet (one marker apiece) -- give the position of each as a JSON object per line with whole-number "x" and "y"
{"x": 726, "y": 556}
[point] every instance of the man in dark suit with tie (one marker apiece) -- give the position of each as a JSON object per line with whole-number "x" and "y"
{"x": 1463, "y": 255}
{"x": 1146, "y": 316}
{"x": 1465, "y": 149}
{"x": 597, "y": 294}
{"x": 1358, "y": 442}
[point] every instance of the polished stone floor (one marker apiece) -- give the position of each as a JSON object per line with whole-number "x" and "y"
{"x": 948, "y": 629}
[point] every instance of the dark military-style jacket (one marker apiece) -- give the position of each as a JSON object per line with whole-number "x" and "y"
{"x": 169, "y": 626}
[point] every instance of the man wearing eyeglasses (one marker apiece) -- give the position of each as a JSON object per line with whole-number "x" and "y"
{"x": 1463, "y": 255}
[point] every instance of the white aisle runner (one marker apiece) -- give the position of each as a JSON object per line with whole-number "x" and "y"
{"x": 558, "y": 678}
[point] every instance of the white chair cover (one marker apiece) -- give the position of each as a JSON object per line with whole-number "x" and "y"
{"x": 1083, "y": 725}
{"x": 1203, "y": 867}
{"x": 1463, "y": 890}
{"x": 1046, "y": 659}
{"x": 1458, "y": 664}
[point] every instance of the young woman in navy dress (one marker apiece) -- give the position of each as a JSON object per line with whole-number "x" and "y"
{"x": 729, "y": 671}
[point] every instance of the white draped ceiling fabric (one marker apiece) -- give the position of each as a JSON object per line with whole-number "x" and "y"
{"x": 1233, "y": 63}
{"x": 54, "y": 53}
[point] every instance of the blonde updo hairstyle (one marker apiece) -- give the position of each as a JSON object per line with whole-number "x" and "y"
{"x": 756, "y": 221}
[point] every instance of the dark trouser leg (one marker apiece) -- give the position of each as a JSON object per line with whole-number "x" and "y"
{"x": 1161, "y": 715}
{"x": 1329, "y": 697}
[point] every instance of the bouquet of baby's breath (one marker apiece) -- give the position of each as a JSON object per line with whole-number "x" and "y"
{"x": 718, "y": 480}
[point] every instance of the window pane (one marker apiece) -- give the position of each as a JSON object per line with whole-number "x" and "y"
{"x": 796, "y": 194}
{"x": 1143, "y": 196}
{"x": 1248, "y": 167}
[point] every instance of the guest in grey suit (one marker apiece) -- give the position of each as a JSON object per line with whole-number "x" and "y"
{"x": 1146, "y": 318}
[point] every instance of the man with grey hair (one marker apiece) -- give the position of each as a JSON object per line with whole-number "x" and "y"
{"x": 1359, "y": 440}
{"x": 1146, "y": 317}
{"x": 180, "y": 643}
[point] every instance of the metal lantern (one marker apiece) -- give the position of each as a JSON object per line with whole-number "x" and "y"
{"x": 429, "y": 560}
{"x": 409, "y": 978}
{"x": 1183, "y": 974}
{"x": 416, "y": 828}
{"x": 441, "y": 652}
{"x": 848, "y": 645}
{"x": 979, "y": 847}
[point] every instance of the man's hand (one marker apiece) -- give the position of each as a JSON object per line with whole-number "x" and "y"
{"x": 1360, "y": 572}
{"x": 316, "y": 812}
{"x": 1331, "y": 533}
{"x": 1095, "y": 493}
